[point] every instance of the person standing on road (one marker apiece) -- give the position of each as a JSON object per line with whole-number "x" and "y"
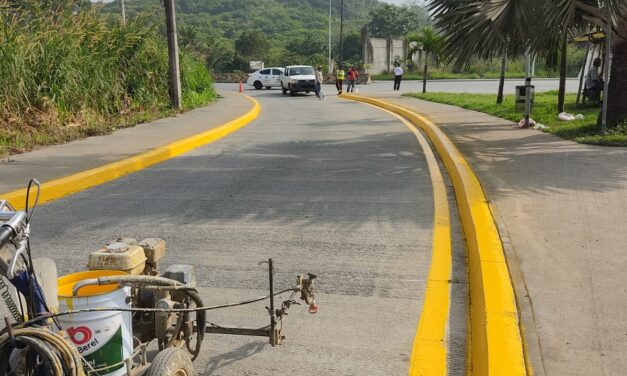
{"x": 398, "y": 76}
{"x": 353, "y": 73}
{"x": 340, "y": 75}
{"x": 319, "y": 80}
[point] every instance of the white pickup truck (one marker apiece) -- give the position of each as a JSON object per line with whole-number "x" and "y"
{"x": 298, "y": 78}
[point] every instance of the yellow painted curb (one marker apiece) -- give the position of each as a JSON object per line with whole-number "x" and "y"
{"x": 429, "y": 353}
{"x": 496, "y": 341}
{"x": 68, "y": 185}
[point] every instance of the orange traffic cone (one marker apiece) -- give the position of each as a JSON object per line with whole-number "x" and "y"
{"x": 241, "y": 87}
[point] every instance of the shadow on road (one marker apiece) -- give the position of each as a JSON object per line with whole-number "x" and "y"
{"x": 216, "y": 362}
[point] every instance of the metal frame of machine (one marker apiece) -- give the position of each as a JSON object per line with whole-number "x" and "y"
{"x": 164, "y": 308}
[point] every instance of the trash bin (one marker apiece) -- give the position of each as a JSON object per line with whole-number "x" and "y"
{"x": 520, "y": 97}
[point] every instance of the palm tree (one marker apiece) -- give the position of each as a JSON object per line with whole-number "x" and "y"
{"x": 616, "y": 104}
{"x": 481, "y": 27}
{"x": 429, "y": 42}
{"x": 499, "y": 96}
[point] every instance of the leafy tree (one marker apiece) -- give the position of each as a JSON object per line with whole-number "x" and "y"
{"x": 252, "y": 44}
{"x": 188, "y": 36}
{"x": 308, "y": 44}
{"x": 353, "y": 47}
{"x": 219, "y": 55}
{"x": 430, "y": 43}
{"x": 395, "y": 21}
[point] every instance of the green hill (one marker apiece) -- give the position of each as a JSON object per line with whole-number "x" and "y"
{"x": 296, "y": 31}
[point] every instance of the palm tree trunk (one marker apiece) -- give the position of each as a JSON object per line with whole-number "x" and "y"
{"x": 499, "y": 97}
{"x": 562, "y": 90}
{"x": 424, "y": 74}
{"x": 617, "y": 92}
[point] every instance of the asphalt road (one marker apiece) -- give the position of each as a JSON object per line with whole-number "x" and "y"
{"x": 450, "y": 86}
{"x": 333, "y": 187}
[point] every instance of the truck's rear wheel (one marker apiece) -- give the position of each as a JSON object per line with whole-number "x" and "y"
{"x": 171, "y": 362}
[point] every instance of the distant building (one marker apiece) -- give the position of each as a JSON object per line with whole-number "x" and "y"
{"x": 380, "y": 54}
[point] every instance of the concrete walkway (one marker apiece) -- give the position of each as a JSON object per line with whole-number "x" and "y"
{"x": 562, "y": 209}
{"x": 62, "y": 160}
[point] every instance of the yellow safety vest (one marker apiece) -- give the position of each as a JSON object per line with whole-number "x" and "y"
{"x": 340, "y": 74}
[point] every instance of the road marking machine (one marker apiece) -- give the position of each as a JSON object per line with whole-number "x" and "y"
{"x": 101, "y": 322}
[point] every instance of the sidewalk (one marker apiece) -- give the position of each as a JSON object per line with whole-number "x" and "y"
{"x": 62, "y": 160}
{"x": 563, "y": 207}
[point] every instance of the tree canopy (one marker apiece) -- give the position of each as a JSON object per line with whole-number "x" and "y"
{"x": 296, "y": 30}
{"x": 393, "y": 21}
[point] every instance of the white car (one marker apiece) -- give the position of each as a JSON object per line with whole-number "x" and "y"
{"x": 298, "y": 78}
{"x": 268, "y": 78}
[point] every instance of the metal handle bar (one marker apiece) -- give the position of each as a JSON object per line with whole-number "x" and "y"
{"x": 12, "y": 226}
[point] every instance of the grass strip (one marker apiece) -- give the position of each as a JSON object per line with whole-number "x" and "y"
{"x": 437, "y": 75}
{"x": 585, "y": 131}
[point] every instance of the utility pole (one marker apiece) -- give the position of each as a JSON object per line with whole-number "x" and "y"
{"x": 330, "y": 61}
{"x": 173, "y": 54}
{"x": 123, "y": 12}
{"x": 341, "y": 32}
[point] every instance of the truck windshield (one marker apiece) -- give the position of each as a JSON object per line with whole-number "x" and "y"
{"x": 297, "y": 71}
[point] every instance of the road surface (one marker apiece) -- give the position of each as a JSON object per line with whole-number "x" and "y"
{"x": 333, "y": 187}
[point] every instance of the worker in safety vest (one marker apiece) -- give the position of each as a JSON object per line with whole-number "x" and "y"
{"x": 340, "y": 75}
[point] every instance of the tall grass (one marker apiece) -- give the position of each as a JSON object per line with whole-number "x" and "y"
{"x": 66, "y": 74}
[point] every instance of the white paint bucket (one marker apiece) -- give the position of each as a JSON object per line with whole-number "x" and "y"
{"x": 104, "y": 339}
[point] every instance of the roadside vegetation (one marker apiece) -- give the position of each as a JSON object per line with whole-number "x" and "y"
{"x": 231, "y": 33}
{"x": 69, "y": 73}
{"x": 544, "y": 112}
{"x": 491, "y": 31}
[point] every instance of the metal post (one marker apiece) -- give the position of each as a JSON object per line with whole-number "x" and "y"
{"x": 273, "y": 340}
{"x": 330, "y": 61}
{"x": 606, "y": 74}
{"x": 527, "y": 87}
{"x": 173, "y": 54}
{"x": 583, "y": 72}
{"x": 341, "y": 32}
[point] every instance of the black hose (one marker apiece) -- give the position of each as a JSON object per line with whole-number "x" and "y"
{"x": 55, "y": 353}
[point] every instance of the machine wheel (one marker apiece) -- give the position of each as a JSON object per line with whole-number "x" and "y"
{"x": 258, "y": 85}
{"x": 292, "y": 92}
{"x": 171, "y": 362}
{"x": 284, "y": 90}
{"x": 268, "y": 87}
